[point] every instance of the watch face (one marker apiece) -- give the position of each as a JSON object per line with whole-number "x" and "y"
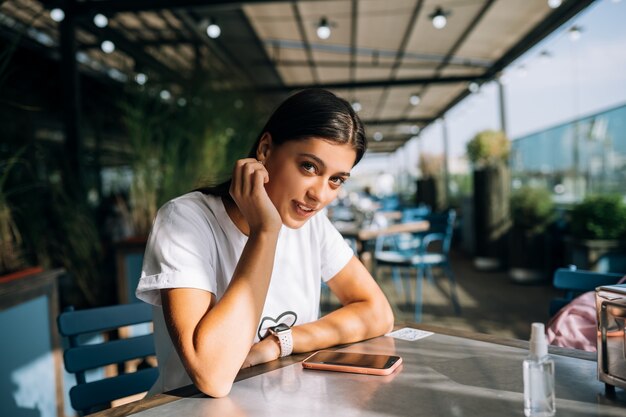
{"x": 282, "y": 327}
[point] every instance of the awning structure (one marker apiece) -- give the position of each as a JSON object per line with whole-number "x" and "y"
{"x": 384, "y": 56}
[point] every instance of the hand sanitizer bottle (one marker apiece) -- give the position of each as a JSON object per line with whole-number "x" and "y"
{"x": 539, "y": 398}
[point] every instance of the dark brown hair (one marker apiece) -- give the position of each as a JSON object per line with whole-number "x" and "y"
{"x": 311, "y": 113}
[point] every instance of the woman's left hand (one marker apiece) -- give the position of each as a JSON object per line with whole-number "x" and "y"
{"x": 266, "y": 350}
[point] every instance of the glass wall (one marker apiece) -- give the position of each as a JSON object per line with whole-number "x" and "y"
{"x": 585, "y": 156}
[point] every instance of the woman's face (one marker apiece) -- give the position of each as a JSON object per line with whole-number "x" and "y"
{"x": 305, "y": 176}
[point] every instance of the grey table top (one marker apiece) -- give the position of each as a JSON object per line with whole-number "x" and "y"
{"x": 441, "y": 375}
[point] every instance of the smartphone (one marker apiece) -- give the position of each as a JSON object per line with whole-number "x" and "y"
{"x": 359, "y": 363}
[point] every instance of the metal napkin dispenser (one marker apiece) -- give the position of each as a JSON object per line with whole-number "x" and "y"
{"x": 611, "y": 314}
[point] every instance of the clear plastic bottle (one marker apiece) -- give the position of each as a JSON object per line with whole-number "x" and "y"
{"x": 539, "y": 397}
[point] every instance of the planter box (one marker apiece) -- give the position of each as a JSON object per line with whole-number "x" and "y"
{"x": 529, "y": 256}
{"x": 491, "y": 216}
{"x": 432, "y": 193}
{"x": 593, "y": 255}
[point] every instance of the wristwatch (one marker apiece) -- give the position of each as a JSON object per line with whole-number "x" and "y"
{"x": 283, "y": 333}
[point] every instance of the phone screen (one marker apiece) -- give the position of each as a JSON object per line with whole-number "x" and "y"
{"x": 361, "y": 360}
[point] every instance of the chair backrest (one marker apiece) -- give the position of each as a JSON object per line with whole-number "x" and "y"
{"x": 412, "y": 214}
{"x": 578, "y": 281}
{"x": 86, "y": 397}
{"x": 441, "y": 228}
{"x": 575, "y": 282}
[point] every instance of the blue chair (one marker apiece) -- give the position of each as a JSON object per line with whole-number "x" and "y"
{"x": 433, "y": 251}
{"x": 412, "y": 214}
{"x": 90, "y": 396}
{"x": 575, "y": 282}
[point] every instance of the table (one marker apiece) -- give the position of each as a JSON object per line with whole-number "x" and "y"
{"x": 451, "y": 373}
{"x": 369, "y": 234}
{"x": 360, "y": 236}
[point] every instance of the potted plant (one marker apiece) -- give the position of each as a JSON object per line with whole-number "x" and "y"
{"x": 532, "y": 212}
{"x": 488, "y": 151}
{"x": 431, "y": 186}
{"x": 597, "y": 229}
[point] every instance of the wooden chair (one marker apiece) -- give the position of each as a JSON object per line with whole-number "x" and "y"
{"x": 575, "y": 282}
{"x": 89, "y": 396}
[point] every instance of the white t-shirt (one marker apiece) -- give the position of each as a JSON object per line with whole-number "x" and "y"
{"x": 195, "y": 244}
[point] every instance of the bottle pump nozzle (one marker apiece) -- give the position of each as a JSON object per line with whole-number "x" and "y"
{"x": 538, "y": 342}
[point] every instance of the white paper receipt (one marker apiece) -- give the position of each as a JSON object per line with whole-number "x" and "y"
{"x": 410, "y": 334}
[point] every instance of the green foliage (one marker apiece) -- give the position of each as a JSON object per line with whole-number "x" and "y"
{"x": 176, "y": 149}
{"x": 599, "y": 217}
{"x": 73, "y": 242}
{"x": 488, "y": 147}
{"x": 532, "y": 209}
{"x": 10, "y": 236}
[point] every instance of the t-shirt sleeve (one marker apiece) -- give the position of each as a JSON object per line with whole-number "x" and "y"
{"x": 335, "y": 252}
{"x": 180, "y": 253}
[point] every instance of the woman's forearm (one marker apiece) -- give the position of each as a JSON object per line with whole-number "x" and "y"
{"x": 214, "y": 350}
{"x": 354, "y": 322}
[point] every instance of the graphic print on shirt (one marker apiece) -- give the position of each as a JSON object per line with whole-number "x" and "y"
{"x": 288, "y": 317}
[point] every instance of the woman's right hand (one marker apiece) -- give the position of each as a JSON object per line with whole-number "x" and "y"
{"x": 248, "y": 190}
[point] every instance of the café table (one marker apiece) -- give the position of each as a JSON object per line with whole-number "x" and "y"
{"x": 449, "y": 373}
{"x": 362, "y": 235}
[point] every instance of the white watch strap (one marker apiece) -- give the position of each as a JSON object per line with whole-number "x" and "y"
{"x": 286, "y": 343}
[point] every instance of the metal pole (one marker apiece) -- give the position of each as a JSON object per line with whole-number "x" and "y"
{"x": 502, "y": 107}
{"x": 73, "y": 175}
{"x": 446, "y": 155}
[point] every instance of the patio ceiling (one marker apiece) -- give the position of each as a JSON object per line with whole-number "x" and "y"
{"x": 379, "y": 53}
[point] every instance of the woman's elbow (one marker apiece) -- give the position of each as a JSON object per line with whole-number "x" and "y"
{"x": 388, "y": 320}
{"x": 213, "y": 387}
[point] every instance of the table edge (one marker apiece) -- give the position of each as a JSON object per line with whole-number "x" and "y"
{"x": 192, "y": 391}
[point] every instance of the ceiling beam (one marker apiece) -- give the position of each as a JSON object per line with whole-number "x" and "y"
{"x": 368, "y": 64}
{"x": 379, "y": 83}
{"x": 89, "y": 7}
{"x": 400, "y": 55}
{"x": 407, "y": 121}
{"x": 305, "y": 41}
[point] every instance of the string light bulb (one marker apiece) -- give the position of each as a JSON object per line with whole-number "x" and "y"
{"x": 323, "y": 29}
{"x": 414, "y": 99}
{"x": 100, "y": 20}
{"x": 554, "y": 4}
{"x": 57, "y": 15}
{"x": 213, "y": 30}
{"x": 107, "y": 47}
{"x": 356, "y": 106}
{"x": 141, "y": 78}
{"x": 439, "y": 18}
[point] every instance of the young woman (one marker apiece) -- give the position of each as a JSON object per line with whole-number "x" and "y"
{"x": 234, "y": 272}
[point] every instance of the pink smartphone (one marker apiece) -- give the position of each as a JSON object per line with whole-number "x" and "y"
{"x": 359, "y": 363}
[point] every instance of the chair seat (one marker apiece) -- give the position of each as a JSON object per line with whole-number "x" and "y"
{"x": 394, "y": 258}
{"x": 403, "y": 259}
